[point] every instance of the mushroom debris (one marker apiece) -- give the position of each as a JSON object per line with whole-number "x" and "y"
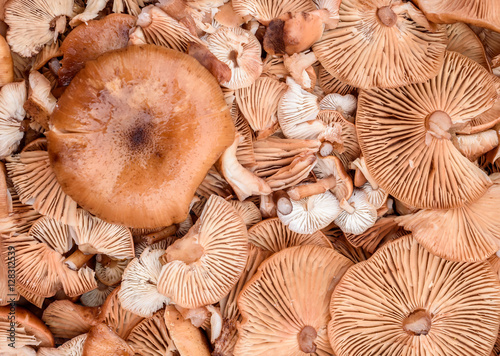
{"x": 250, "y": 177}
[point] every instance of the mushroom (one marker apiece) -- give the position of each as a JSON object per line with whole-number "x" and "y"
{"x": 312, "y": 213}
{"x": 102, "y": 340}
{"x": 131, "y": 6}
{"x": 259, "y": 105}
{"x": 294, "y": 173}
{"x": 241, "y": 51}
{"x": 88, "y": 41}
{"x": 375, "y": 194}
{"x": 36, "y": 184}
{"x": 92, "y": 9}
{"x": 405, "y": 300}
{"x": 330, "y": 84}
{"x": 6, "y": 66}
{"x": 463, "y": 40}
{"x": 32, "y": 24}
{"x": 248, "y": 212}
{"x": 475, "y": 145}
{"x": 274, "y": 67}
{"x": 357, "y": 214}
{"x": 421, "y": 116}
{"x": 146, "y": 137}
{"x": 274, "y": 236}
{"x": 299, "y": 65}
{"x": 96, "y": 297}
{"x": 344, "y": 104}
{"x": 67, "y": 320}
{"x": 139, "y": 292}
{"x": 331, "y": 168}
{"x": 226, "y": 16}
{"x": 73, "y": 347}
{"x": 219, "y": 70}
{"x": 12, "y": 98}
{"x": 154, "y": 26}
{"x": 396, "y": 47}
{"x": 371, "y": 239}
{"x": 214, "y": 183}
{"x": 285, "y": 304}
{"x": 41, "y": 103}
{"x": 480, "y": 13}
{"x": 264, "y": 11}
{"x": 108, "y": 270}
{"x": 469, "y": 233}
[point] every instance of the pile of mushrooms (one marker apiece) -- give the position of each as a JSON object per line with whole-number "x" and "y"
{"x": 250, "y": 177}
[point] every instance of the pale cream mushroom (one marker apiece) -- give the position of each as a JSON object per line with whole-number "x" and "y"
{"x": 344, "y": 104}
{"x": 41, "y": 103}
{"x": 357, "y": 214}
{"x": 312, "y": 213}
{"x": 33, "y": 23}
{"x": 12, "y": 98}
{"x": 92, "y": 9}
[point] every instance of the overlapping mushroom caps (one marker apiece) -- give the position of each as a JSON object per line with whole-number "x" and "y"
{"x": 138, "y": 115}
{"x": 381, "y": 43}
{"x": 205, "y": 264}
{"x": 284, "y": 305}
{"x": 405, "y": 135}
{"x": 406, "y": 301}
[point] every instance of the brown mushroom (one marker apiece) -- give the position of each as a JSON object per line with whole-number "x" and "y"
{"x": 149, "y": 136}
{"x": 67, "y": 320}
{"x": 102, "y": 340}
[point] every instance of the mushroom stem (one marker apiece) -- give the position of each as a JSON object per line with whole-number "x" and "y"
{"x": 360, "y": 164}
{"x": 59, "y": 25}
{"x": 386, "y": 16}
{"x": 267, "y": 206}
{"x": 187, "y": 249}
{"x": 306, "y": 190}
{"x": 77, "y": 259}
{"x": 347, "y": 207}
{"x": 160, "y": 235}
{"x": 306, "y": 339}
{"x": 325, "y": 149}
{"x": 207, "y": 59}
{"x": 282, "y": 201}
{"x": 417, "y": 323}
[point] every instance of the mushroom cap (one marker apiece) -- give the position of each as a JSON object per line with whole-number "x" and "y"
{"x": 41, "y": 103}
{"x": 67, "y": 320}
{"x": 160, "y": 139}
{"x": 88, "y": 41}
{"x": 286, "y": 301}
{"x": 73, "y": 347}
{"x": 139, "y": 293}
{"x": 484, "y": 13}
{"x": 312, "y": 213}
{"x": 397, "y": 54}
{"x": 102, "y": 340}
{"x": 463, "y": 40}
{"x": 6, "y": 64}
{"x": 332, "y": 166}
{"x": 330, "y": 84}
{"x": 244, "y": 151}
{"x": 96, "y": 297}
{"x": 266, "y": 10}
{"x": 344, "y": 104}
{"x": 273, "y": 236}
{"x": 359, "y": 216}
{"x": 118, "y": 318}
{"x": 33, "y": 23}
{"x": 248, "y": 211}
{"x": 31, "y": 324}
{"x": 111, "y": 273}
{"x": 469, "y": 233}
{"x": 12, "y": 98}
{"x": 399, "y": 134}
{"x": 150, "y": 337}
{"x": 241, "y": 51}
{"x": 406, "y": 301}
{"x": 206, "y": 263}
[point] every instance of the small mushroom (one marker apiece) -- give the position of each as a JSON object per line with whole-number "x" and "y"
{"x": 357, "y": 214}
{"x": 92, "y": 9}
{"x": 102, "y": 340}
{"x": 475, "y": 145}
{"x": 282, "y": 287}
{"x": 67, "y": 320}
{"x": 266, "y": 10}
{"x": 299, "y": 65}
{"x": 73, "y": 347}
{"x": 331, "y": 167}
{"x": 463, "y": 40}
{"x": 96, "y": 297}
{"x": 12, "y": 99}
{"x": 41, "y": 103}
{"x": 248, "y": 212}
{"x": 344, "y": 104}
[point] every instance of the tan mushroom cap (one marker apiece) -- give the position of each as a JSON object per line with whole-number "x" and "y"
{"x": 33, "y": 23}
{"x": 88, "y": 41}
{"x": 206, "y": 263}
{"x": 31, "y": 324}
{"x": 463, "y": 40}
{"x": 406, "y": 301}
{"x": 385, "y": 227}
{"x": 136, "y": 120}
{"x": 266, "y": 10}
{"x": 150, "y": 337}
{"x": 259, "y": 105}
{"x": 102, "y": 340}
{"x": 469, "y": 233}
{"x": 382, "y": 44}
{"x": 285, "y": 304}
{"x": 67, "y": 320}
{"x": 404, "y": 135}
{"x": 330, "y": 84}
{"x": 273, "y": 236}
{"x": 484, "y": 13}
{"x": 71, "y": 347}
{"x": 475, "y": 145}
{"x": 248, "y": 211}
{"x": 486, "y": 119}
{"x": 119, "y": 319}
{"x": 241, "y": 51}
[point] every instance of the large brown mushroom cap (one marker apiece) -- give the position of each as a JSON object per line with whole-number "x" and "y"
{"x": 285, "y": 304}
{"x": 381, "y": 43}
{"x": 31, "y": 324}
{"x": 162, "y": 126}
{"x": 463, "y": 40}
{"x": 405, "y": 139}
{"x": 406, "y": 301}
{"x": 484, "y": 13}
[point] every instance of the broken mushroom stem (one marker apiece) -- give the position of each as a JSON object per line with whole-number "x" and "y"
{"x": 187, "y": 250}
{"x": 360, "y": 165}
{"x": 282, "y": 201}
{"x": 319, "y": 187}
{"x": 344, "y": 204}
{"x": 160, "y": 235}
{"x": 207, "y": 59}
{"x": 58, "y": 25}
{"x": 326, "y": 149}
{"x": 77, "y": 259}
{"x": 306, "y": 339}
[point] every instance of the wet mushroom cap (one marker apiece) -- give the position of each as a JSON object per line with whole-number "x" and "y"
{"x": 406, "y": 301}
{"x": 160, "y": 139}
